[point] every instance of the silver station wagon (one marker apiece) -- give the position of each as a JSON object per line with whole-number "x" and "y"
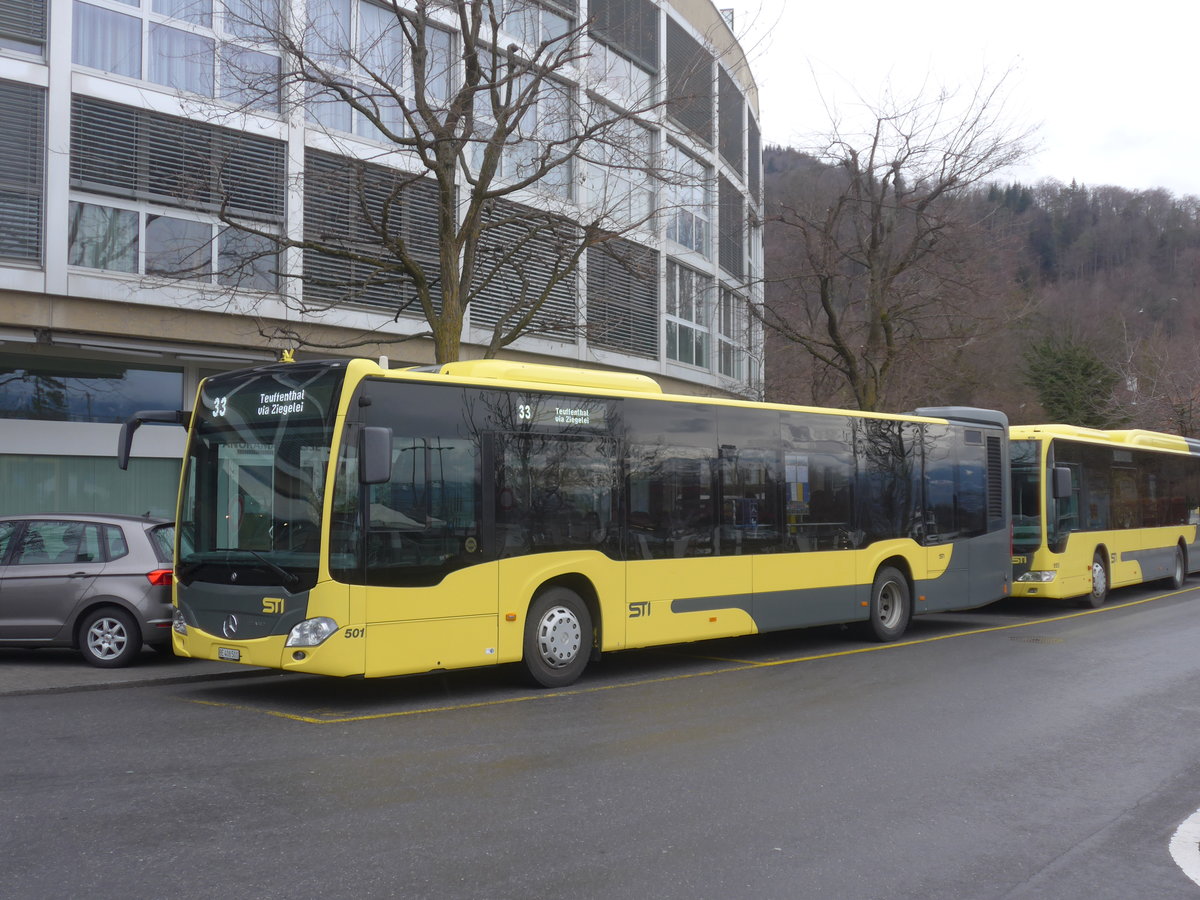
{"x": 101, "y": 584}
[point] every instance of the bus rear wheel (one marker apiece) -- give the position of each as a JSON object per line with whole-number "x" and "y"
{"x": 558, "y": 638}
{"x": 891, "y": 605}
{"x": 1099, "y": 592}
{"x": 1178, "y": 570}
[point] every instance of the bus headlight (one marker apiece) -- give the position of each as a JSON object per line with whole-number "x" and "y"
{"x": 178, "y": 624}
{"x": 1040, "y": 577}
{"x": 312, "y": 632}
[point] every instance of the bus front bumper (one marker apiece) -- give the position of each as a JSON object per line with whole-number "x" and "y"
{"x": 341, "y": 654}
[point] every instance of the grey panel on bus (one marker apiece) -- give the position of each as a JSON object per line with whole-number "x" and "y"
{"x": 208, "y": 605}
{"x": 777, "y": 610}
{"x": 1156, "y": 563}
{"x": 965, "y": 414}
{"x": 951, "y": 591}
{"x": 991, "y": 567}
{"x": 957, "y": 588}
{"x": 712, "y": 604}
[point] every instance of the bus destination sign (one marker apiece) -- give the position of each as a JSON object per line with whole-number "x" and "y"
{"x": 281, "y": 403}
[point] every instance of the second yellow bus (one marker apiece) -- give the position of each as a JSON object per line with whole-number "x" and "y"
{"x": 1095, "y": 510}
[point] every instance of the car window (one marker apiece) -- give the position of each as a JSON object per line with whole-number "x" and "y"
{"x": 32, "y": 549}
{"x": 162, "y": 538}
{"x": 114, "y": 542}
{"x": 6, "y": 532}
{"x": 48, "y": 542}
{"x": 81, "y": 543}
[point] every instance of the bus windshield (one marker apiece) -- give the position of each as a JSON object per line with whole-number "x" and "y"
{"x": 254, "y": 476}
{"x": 1026, "y": 494}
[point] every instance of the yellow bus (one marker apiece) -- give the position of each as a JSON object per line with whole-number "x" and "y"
{"x": 1095, "y": 510}
{"x": 347, "y": 519}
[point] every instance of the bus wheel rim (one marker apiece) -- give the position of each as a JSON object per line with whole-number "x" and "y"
{"x": 888, "y": 607}
{"x": 559, "y": 637}
{"x": 1098, "y": 578}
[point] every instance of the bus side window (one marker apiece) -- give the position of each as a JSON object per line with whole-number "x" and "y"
{"x": 749, "y": 501}
{"x": 345, "y": 521}
{"x": 670, "y": 503}
{"x": 555, "y": 493}
{"x": 818, "y": 466}
{"x": 887, "y": 492}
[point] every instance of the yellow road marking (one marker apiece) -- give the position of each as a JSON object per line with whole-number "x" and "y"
{"x": 738, "y": 666}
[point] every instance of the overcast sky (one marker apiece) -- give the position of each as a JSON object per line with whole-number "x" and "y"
{"x": 1113, "y": 87}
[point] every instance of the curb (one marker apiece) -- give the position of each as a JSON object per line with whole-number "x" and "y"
{"x": 140, "y": 682}
{"x": 28, "y": 671}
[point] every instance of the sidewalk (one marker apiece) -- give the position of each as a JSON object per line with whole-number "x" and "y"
{"x": 47, "y": 671}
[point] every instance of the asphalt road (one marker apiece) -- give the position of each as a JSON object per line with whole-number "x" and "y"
{"x": 1020, "y": 751}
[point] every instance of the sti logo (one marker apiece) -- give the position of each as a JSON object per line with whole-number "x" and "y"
{"x": 272, "y": 605}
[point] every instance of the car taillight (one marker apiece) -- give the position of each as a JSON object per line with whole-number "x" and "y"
{"x": 161, "y": 577}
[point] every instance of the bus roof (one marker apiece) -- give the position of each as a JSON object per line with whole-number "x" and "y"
{"x": 592, "y": 379}
{"x": 613, "y": 384}
{"x": 1127, "y": 437}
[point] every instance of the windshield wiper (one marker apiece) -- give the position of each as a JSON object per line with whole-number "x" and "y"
{"x": 186, "y": 569}
{"x": 290, "y": 580}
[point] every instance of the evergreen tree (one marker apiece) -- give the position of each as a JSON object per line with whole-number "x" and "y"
{"x": 1074, "y": 385}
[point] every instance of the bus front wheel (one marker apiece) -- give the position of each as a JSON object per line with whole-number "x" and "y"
{"x": 891, "y": 605}
{"x": 1099, "y": 593}
{"x": 558, "y": 638}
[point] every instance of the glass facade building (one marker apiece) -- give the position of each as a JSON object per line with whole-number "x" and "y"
{"x": 134, "y": 130}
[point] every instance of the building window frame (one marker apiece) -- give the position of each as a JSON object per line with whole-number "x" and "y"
{"x": 190, "y": 47}
{"x": 689, "y": 214}
{"x": 688, "y": 315}
{"x": 374, "y": 65}
{"x": 620, "y": 167}
{"x": 732, "y": 329}
{"x": 254, "y": 269}
{"x": 23, "y": 27}
{"x": 22, "y": 172}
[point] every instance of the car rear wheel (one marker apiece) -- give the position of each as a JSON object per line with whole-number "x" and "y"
{"x": 109, "y": 638}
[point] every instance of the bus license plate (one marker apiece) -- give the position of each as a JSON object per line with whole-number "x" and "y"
{"x": 230, "y": 654}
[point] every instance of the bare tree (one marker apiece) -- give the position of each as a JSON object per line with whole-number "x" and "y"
{"x": 500, "y": 169}
{"x": 880, "y": 256}
{"x": 1160, "y": 377}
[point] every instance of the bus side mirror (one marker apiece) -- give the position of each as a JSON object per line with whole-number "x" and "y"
{"x": 146, "y": 417}
{"x": 1062, "y": 483}
{"x": 375, "y": 455}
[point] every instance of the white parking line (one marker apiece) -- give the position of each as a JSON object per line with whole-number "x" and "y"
{"x": 1185, "y": 846}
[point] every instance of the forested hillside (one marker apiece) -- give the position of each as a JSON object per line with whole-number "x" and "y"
{"x": 1076, "y": 303}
